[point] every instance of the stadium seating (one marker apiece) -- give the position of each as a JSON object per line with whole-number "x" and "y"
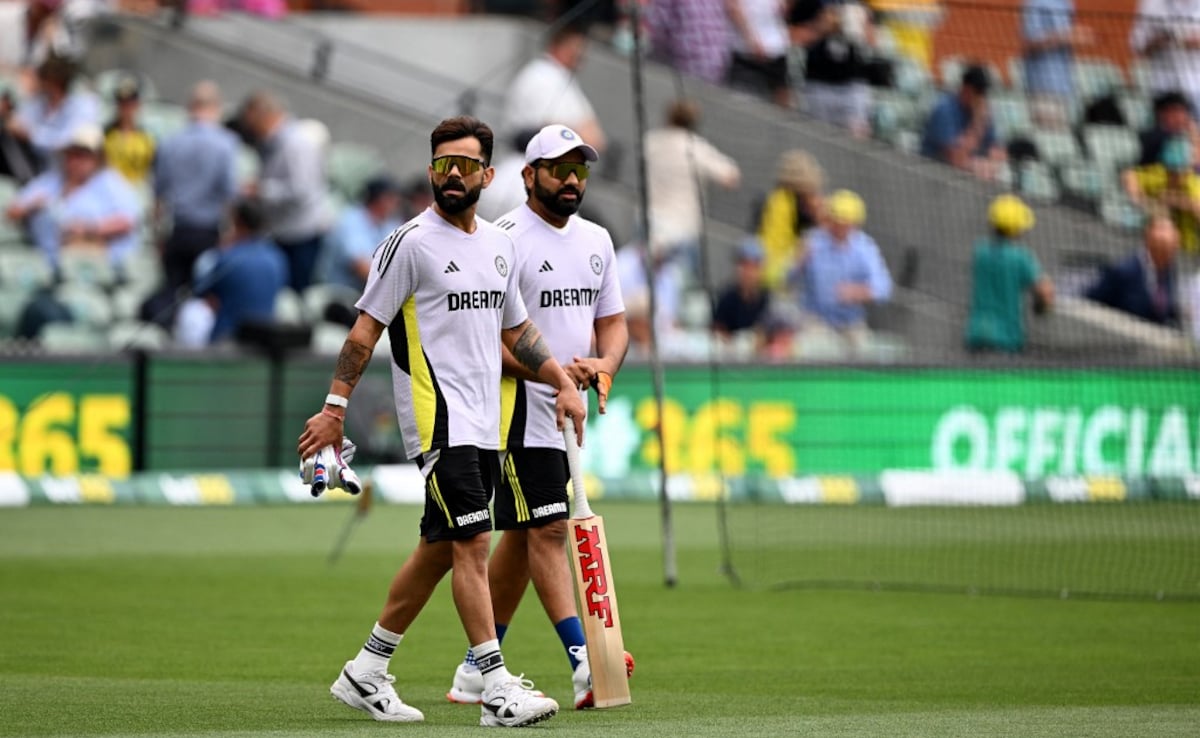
{"x": 24, "y": 269}
{"x": 88, "y": 305}
{"x": 289, "y": 308}
{"x": 73, "y": 338}
{"x": 90, "y": 267}
{"x": 133, "y": 335}
{"x": 316, "y": 298}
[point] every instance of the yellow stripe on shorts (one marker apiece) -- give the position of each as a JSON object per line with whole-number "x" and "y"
{"x": 518, "y": 495}
{"x": 436, "y": 490}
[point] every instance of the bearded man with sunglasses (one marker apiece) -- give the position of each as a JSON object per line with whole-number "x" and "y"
{"x": 568, "y": 278}
{"x": 446, "y": 286}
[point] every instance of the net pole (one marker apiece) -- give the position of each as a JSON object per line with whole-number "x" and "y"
{"x": 670, "y": 567}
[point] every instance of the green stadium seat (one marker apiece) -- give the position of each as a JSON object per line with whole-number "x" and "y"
{"x": 73, "y": 338}
{"x": 88, "y": 305}
{"x": 317, "y": 297}
{"x": 950, "y": 70}
{"x": 1011, "y": 115}
{"x": 143, "y": 270}
{"x": 1111, "y": 147}
{"x": 891, "y": 113}
{"x": 11, "y": 307}
{"x": 1085, "y": 180}
{"x": 1016, "y": 73}
{"x": 10, "y": 232}
{"x": 328, "y": 338}
{"x": 349, "y": 167}
{"x": 86, "y": 266}
{"x": 127, "y": 300}
{"x": 1116, "y": 210}
{"x": 912, "y": 79}
{"x": 1057, "y": 148}
{"x": 1097, "y": 77}
{"x": 25, "y": 269}
{"x": 1138, "y": 111}
{"x": 163, "y": 119}
{"x": 289, "y": 308}
{"x": 247, "y": 165}
{"x": 134, "y": 335}
{"x": 1036, "y": 182}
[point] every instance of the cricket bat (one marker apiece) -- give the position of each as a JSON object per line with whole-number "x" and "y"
{"x": 588, "y": 547}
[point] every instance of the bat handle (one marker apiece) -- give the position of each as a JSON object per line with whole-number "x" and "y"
{"x": 582, "y": 508}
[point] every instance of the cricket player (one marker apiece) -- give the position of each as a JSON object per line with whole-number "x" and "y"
{"x": 445, "y": 285}
{"x": 569, "y": 281}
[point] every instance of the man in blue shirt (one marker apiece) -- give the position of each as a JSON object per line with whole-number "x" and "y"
{"x": 346, "y": 258}
{"x": 195, "y": 180}
{"x": 1050, "y": 39}
{"x": 843, "y": 269}
{"x": 246, "y": 276}
{"x": 80, "y": 203}
{"x": 959, "y": 131}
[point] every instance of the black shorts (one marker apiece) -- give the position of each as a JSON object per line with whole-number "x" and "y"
{"x": 458, "y": 488}
{"x": 533, "y": 488}
{"x": 756, "y": 75}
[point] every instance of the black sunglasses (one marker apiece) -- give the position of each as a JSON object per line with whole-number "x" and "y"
{"x": 466, "y": 165}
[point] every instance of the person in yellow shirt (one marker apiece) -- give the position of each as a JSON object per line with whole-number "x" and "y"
{"x": 793, "y": 207}
{"x": 1171, "y": 183}
{"x": 128, "y": 147}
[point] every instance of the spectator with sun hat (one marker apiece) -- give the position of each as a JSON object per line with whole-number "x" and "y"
{"x": 1002, "y": 271}
{"x": 842, "y": 271}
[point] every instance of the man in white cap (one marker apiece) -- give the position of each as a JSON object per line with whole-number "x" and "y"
{"x": 80, "y": 203}
{"x": 569, "y": 283}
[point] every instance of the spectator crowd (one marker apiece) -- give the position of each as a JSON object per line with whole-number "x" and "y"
{"x": 236, "y": 208}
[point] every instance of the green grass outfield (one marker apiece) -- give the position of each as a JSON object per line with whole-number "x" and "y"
{"x": 229, "y": 622}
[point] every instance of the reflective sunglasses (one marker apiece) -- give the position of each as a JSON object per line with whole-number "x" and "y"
{"x": 563, "y": 169}
{"x": 466, "y": 165}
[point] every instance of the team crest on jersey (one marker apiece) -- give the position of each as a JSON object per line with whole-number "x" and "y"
{"x": 597, "y": 263}
{"x": 502, "y": 266}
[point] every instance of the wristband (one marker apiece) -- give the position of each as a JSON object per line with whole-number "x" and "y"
{"x": 602, "y": 382}
{"x": 336, "y": 400}
{"x": 332, "y": 414}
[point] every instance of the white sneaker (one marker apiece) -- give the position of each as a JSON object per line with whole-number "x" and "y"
{"x": 515, "y": 704}
{"x": 467, "y": 688}
{"x": 374, "y": 695}
{"x": 582, "y": 679}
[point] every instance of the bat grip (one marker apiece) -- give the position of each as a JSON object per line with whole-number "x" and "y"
{"x": 582, "y": 508}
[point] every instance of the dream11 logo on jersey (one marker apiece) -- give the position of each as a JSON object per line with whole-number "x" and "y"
{"x": 591, "y": 563}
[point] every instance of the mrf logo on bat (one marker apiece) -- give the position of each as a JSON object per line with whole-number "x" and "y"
{"x": 591, "y": 561}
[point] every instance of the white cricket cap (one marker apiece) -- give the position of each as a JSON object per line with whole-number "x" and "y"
{"x": 86, "y": 136}
{"x": 553, "y": 141}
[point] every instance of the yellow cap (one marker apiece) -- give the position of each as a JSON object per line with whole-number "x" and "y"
{"x": 1010, "y": 215}
{"x": 847, "y": 207}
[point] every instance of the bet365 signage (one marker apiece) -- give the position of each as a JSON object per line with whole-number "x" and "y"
{"x": 60, "y": 433}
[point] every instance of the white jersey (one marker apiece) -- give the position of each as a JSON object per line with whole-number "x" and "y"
{"x": 445, "y": 295}
{"x": 569, "y": 279}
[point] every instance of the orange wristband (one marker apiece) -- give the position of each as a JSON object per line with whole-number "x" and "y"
{"x": 332, "y": 414}
{"x": 602, "y": 382}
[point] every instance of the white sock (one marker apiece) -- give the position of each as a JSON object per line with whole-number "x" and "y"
{"x": 377, "y": 651}
{"x": 491, "y": 663}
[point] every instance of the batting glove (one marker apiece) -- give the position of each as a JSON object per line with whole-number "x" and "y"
{"x": 330, "y": 469}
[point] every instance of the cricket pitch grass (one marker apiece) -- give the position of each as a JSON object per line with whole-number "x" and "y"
{"x": 230, "y": 622}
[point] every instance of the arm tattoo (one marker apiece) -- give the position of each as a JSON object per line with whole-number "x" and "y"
{"x": 351, "y": 362}
{"x": 530, "y": 350}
